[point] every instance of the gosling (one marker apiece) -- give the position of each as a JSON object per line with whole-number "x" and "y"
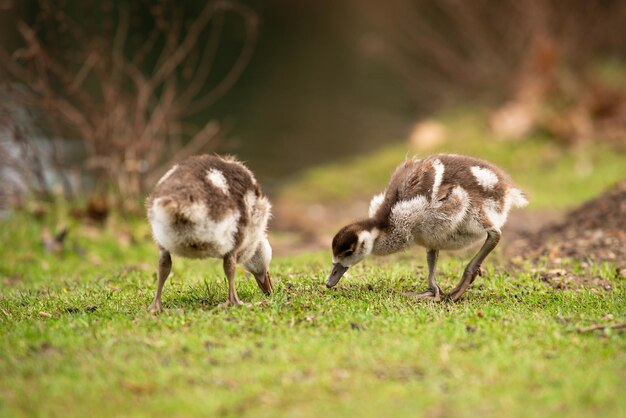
{"x": 442, "y": 202}
{"x": 211, "y": 206}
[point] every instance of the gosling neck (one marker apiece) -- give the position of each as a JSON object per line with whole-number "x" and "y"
{"x": 391, "y": 240}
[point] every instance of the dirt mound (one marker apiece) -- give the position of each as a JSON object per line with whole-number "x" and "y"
{"x": 593, "y": 232}
{"x": 606, "y": 212}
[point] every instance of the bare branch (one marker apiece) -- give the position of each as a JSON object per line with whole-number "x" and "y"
{"x": 118, "y": 46}
{"x": 235, "y": 72}
{"x": 206, "y": 63}
{"x": 186, "y": 45}
{"x": 88, "y": 65}
{"x": 597, "y": 327}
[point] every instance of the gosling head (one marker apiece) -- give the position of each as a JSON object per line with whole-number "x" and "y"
{"x": 350, "y": 245}
{"x": 259, "y": 265}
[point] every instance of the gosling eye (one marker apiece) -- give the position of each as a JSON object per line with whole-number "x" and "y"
{"x": 348, "y": 253}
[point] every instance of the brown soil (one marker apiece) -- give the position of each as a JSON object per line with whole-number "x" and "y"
{"x": 593, "y": 232}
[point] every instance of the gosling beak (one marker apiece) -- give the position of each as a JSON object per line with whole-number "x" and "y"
{"x": 265, "y": 282}
{"x": 336, "y": 273}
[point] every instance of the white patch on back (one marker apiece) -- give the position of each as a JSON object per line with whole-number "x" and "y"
{"x": 485, "y": 177}
{"x": 217, "y": 179}
{"x": 439, "y": 170}
{"x": 375, "y": 204}
{"x": 166, "y": 175}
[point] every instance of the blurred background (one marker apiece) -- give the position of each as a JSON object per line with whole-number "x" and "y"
{"x": 322, "y": 99}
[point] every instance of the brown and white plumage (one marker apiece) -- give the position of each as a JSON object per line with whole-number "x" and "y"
{"x": 211, "y": 206}
{"x": 441, "y": 202}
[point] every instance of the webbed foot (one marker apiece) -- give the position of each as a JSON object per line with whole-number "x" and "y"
{"x": 434, "y": 294}
{"x": 156, "y": 307}
{"x": 234, "y": 303}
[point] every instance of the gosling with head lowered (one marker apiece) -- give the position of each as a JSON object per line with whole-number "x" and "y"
{"x": 211, "y": 206}
{"x": 442, "y": 202}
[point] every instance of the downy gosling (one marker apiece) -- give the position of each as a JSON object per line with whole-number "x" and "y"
{"x": 211, "y": 206}
{"x": 442, "y": 202}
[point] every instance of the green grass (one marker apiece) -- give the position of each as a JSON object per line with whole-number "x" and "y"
{"x": 77, "y": 339}
{"x": 556, "y": 177}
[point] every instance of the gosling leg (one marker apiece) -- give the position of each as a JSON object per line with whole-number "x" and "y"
{"x": 230, "y": 264}
{"x": 473, "y": 267}
{"x": 433, "y": 292}
{"x": 165, "y": 266}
